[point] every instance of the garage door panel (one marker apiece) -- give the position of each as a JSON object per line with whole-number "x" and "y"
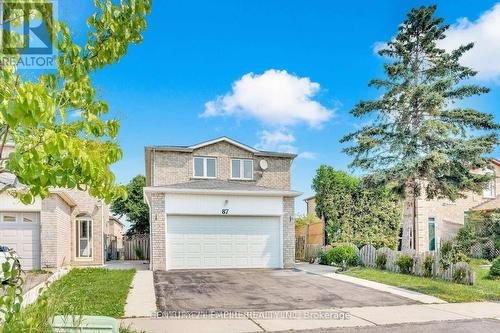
{"x": 224, "y": 242}
{"x": 24, "y": 238}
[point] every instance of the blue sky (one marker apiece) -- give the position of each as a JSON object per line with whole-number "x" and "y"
{"x": 193, "y": 52}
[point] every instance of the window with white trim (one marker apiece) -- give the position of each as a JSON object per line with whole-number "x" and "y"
{"x": 84, "y": 237}
{"x": 242, "y": 169}
{"x": 489, "y": 191}
{"x": 204, "y": 167}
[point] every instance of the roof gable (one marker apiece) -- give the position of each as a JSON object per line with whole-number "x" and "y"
{"x": 224, "y": 139}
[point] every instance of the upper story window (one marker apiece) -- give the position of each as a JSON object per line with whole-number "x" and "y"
{"x": 242, "y": 169}
{"x": 489, "y": 191}
{"x": 204, "y": 167}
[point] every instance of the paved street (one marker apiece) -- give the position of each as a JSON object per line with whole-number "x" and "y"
{"x": 459, "y": 326}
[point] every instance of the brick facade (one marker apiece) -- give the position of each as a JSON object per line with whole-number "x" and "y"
{"x": 170, "y": 166}
{"x": 288, "y": 232}
{"x": 158, "y": 259}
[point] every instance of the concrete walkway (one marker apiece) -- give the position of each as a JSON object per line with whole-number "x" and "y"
{"x": 139, "y": 265}
{"x": 328, "y": 271}
{"x": 325, "y": 318}
{"x": 141, "y": 301}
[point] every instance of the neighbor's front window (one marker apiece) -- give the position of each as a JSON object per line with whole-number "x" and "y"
{"x": 242, "y": 169}
{"x": 84, "y": 237}
{"x": 204, "y": 167}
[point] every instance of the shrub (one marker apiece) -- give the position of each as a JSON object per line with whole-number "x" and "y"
{"x": 307, "y": 219}
{"x": 495, "y": 268}
{"x": 381, "y": 260}
{"x": 342, "y": 256}
{"x": 428, "y": 263}
{"x": 460, "y": 275}
{"x": 405, "y": 263}
{"x": 139, "y": 252}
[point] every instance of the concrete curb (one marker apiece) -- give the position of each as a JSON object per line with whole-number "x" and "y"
{"x": 32, "y": 295}
{"x": 413, "y": 295}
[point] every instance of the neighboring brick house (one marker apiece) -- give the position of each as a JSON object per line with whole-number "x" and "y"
{"x": 64, "y": 229}
{"x": 219, "y": 204}
{"x": 114, "y": 238}
{"x": 438, "y": 220}
{"x": 311, "y": 205}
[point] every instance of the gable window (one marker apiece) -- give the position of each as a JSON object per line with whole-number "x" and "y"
{"x": 489, "y": 191}
{"x": 242, "y": 169}
{"x": 204, "y": 167}
{"x": 84, "y": 237}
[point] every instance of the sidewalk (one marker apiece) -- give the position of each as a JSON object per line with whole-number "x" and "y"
{"x": 327, "y": 318}
{"x": 329, "y": 272}
{"x": 141, "y": 301}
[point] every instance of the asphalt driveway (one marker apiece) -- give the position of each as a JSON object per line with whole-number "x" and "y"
{"x": 261, "y": 290}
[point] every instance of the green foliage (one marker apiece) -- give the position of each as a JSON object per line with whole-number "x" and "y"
{"x": 139, "y": 252}
{"x": 495, "y": 268}
{"x": 52, "y": 149}
{"x": 342, "y": 256}
{"x": 417, "y": 130}
{"x": 483, "y": 228}
{"x": 428, "y": 264}
{"x": 460, "y": 275}
{"x": 405, "y": 263}
{"x": 306, "y": 219}
{"x": 381, "y": 260}
{"x": 355, "y": 213}
{"x": 451, "y": 254}
{"x": 134, "y": 207}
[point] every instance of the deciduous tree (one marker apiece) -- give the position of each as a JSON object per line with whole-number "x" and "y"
{"x": 52, "y": 149}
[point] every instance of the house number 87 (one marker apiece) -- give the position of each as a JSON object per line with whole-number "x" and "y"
{"x": 225, "y": 211}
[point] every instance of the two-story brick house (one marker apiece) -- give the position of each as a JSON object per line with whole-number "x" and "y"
{"x": 438, "y": 220}
{"x": 219, "y": 204}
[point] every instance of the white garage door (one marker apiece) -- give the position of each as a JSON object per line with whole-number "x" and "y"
{"x": 21, "y": 232}
{"x": 223, "y": 242}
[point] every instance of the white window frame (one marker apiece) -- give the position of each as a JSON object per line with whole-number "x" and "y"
{"x": 242, "y": 168}
{"x": 489, "y": 192}
{"x": 205, "y": 159}
{"x": 90, "y": 239}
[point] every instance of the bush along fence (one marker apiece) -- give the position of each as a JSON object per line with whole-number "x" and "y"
{"x": 428, "y": 264}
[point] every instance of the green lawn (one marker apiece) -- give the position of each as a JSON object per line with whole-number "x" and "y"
{"x": 485, "y": 289}
{"x": 91, "y": 291}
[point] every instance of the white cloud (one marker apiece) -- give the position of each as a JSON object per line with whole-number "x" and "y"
{"x": 278, "y": 140}
{"x": 485, "y": 33}
{"x": 484, "y": 57}
{"x": 308, "y": 155}
{"x": 276, "y": 98}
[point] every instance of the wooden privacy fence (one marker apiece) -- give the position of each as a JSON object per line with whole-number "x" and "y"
{"x": 134, "y": 244}
{"x": 309, "y": 240}
{"x": 460, "y": 272}
{"x": 313, "y": 233}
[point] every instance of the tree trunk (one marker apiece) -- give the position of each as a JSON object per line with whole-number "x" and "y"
{"x": 409, "y": 220}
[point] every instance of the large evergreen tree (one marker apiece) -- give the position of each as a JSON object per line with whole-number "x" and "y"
{"x": 420, "y": 140}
